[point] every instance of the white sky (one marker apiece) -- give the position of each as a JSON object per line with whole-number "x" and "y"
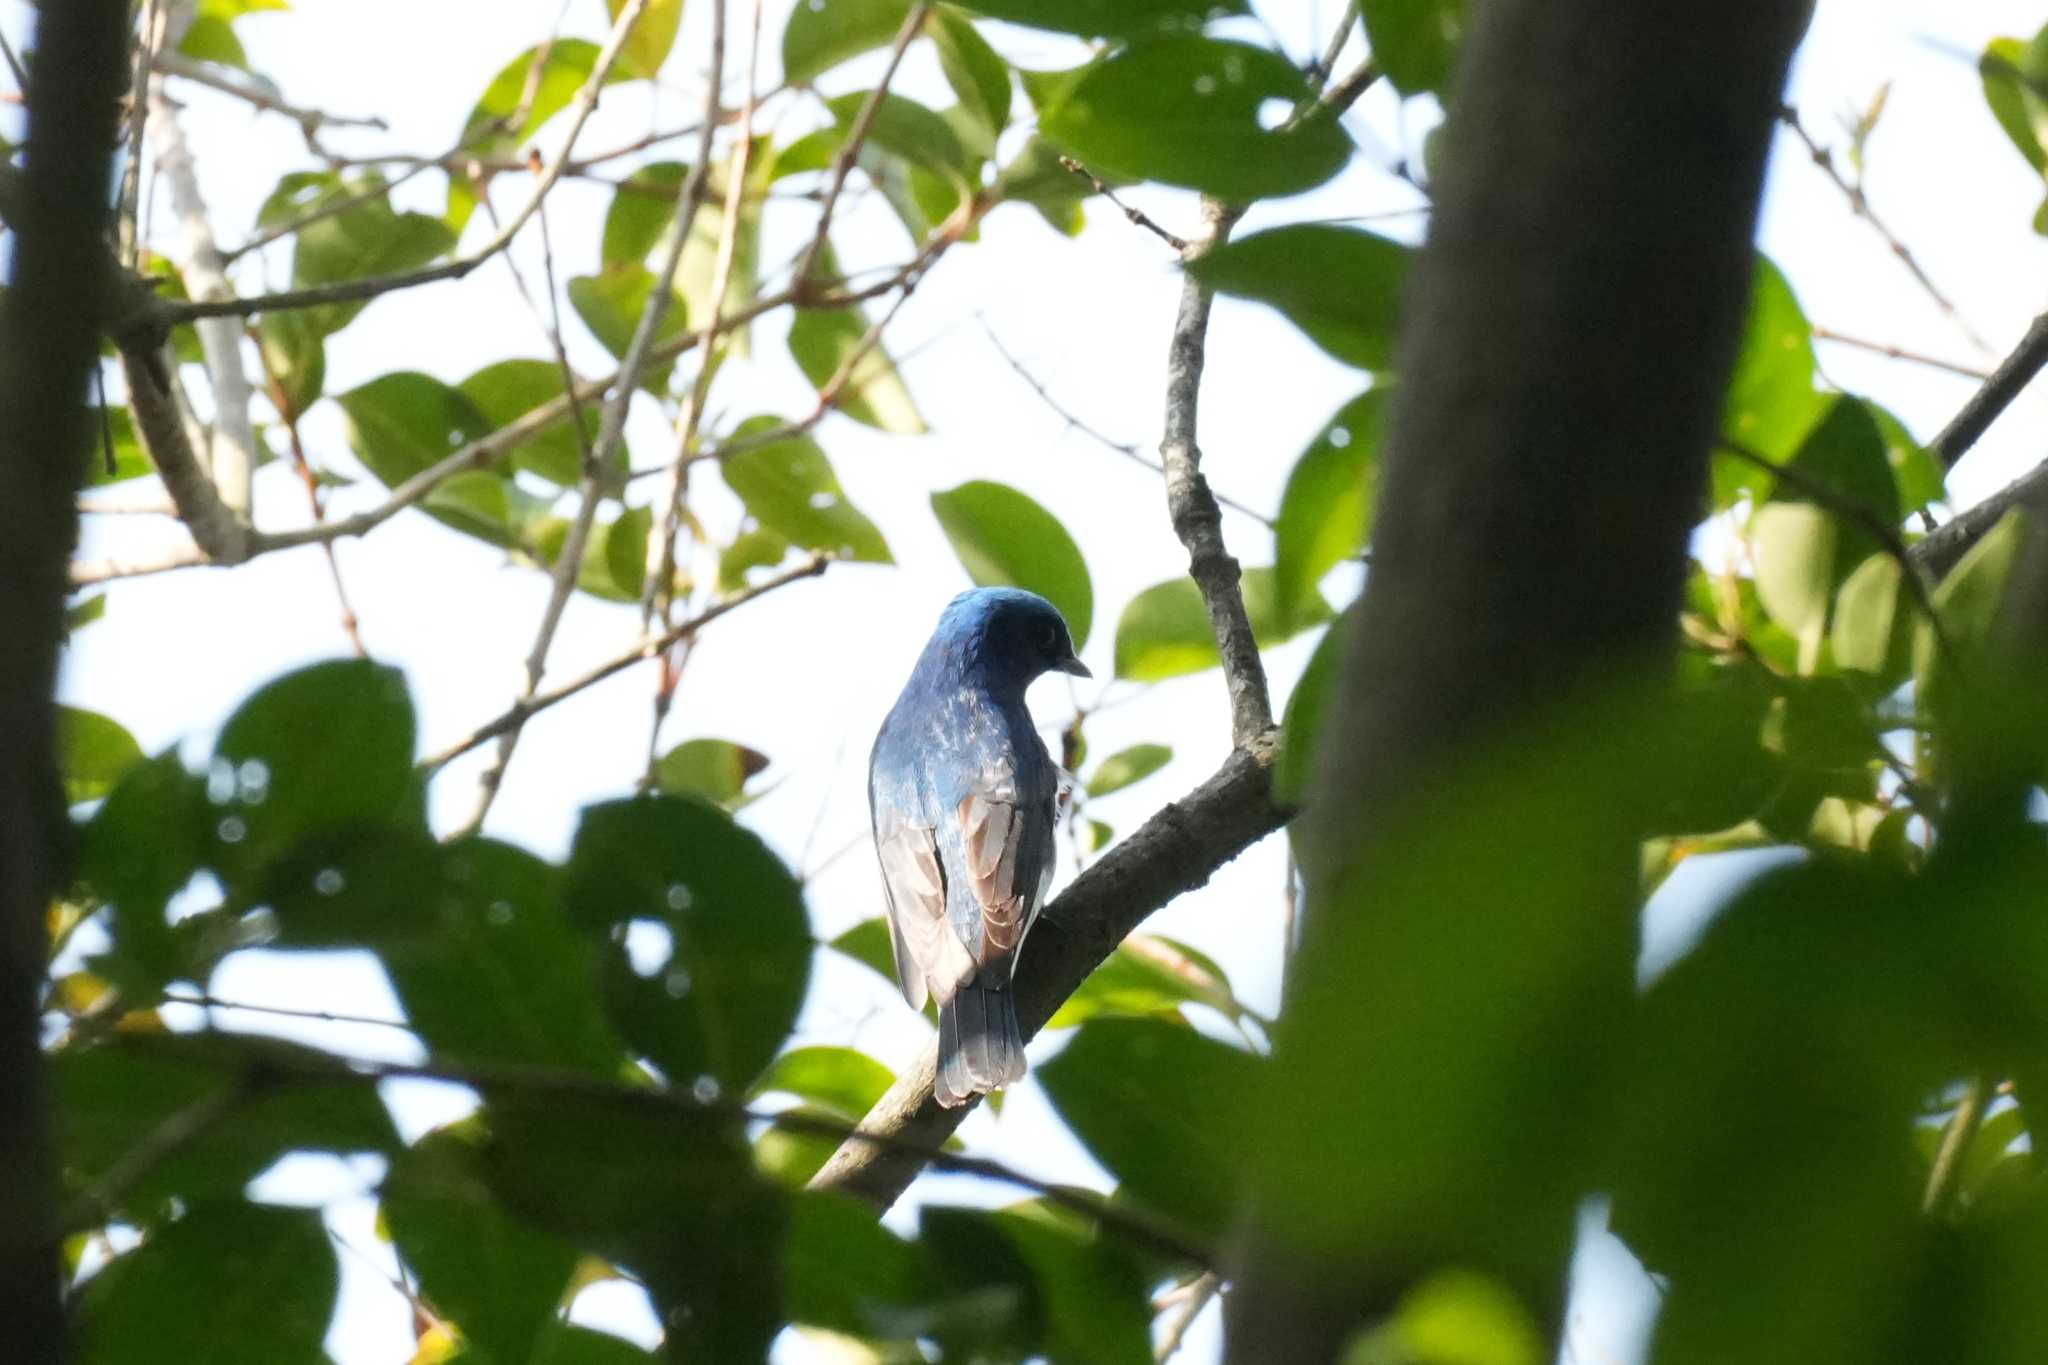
{"x": 806, "y": 674}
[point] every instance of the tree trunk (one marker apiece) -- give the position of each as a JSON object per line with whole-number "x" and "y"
{"x": 48, "y": 345}
{"x": 1568, "y": 335}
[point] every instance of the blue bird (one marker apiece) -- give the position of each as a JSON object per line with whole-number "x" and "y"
{"x": 965, "y": 801}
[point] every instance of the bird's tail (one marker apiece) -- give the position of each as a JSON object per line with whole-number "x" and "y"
{"x": 980, "y": 1047}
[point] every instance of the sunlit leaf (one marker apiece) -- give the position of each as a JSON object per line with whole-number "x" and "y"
{"x": 93, "y": 752}
{"x": 1326, "y": 512}
{"x": 1122, "y": 19}
{"x": 1415, "y": 41}
{"x": 821, "y": 34}
{"x": 789, "y": 487}
{"x": 653, "y": 35}
{"x": 716, "y": 769}
{"x": 1004, "y": 539}
{"x": 1164, "y": 631}
{"x": 1340, "y": 285}
{"x": 826, "y": 342}
{"x": 1127, "y": 766}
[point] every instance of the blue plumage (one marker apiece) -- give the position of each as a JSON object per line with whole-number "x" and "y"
{"x": 965, "y": 802}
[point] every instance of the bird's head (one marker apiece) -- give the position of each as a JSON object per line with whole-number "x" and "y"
{"x": 1011, "y": 634}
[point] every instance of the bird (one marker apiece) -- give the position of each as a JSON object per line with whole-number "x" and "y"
{"x": 965, "y": 805}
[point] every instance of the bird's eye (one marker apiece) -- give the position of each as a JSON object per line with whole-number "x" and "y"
{"x": 1052, "y": 639}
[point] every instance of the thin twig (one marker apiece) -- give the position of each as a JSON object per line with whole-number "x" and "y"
{"x": 351, "y": 626}
{"x": 1339, "y": 39}
{"x": 2013, "y": 374}
{"x": 1136, "y": 216}
{"x": 212, "y": 1002}
{"x": 329, "y": 208}
{"x": 1188, "y": 1306}
{"x": 856, "y": 138}
{"x": 520, "y": 712}
{"x": 1125, "y": 449}
{"x": 1197, "y": 519}
{"x": 147, "y": 36}
{"x": 310, "y": 121}
{"x": 591, "y": 486}
{"x": 14, "y": 65}
{"x": 1945, "y": 1176}
{"x": 1859, "y": 204}
{"x": 1892, "y": 352}
{"x": 353, "y": 291}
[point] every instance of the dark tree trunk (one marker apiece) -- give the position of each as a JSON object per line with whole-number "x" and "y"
{"x": 1567, "y": 338}
{"x": 48, "y": 344}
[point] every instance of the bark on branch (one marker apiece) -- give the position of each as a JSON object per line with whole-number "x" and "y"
{"x": 48, "y": 346}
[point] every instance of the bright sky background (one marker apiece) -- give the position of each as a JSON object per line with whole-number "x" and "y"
{"x": 806, "y": 675}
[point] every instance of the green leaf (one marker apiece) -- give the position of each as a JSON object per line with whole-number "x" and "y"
{"x": 844, "y": 1270}
{"x": 498, "y": 1279}
{"x": 295, "y": 355}
{"x": 1302, "y": 724}
{"x": 527, "y": 91}
{"x": 653, "y": 35}
{"x": 625, "y": 551}
{"x": 565, "y": 1343}
{"x": 1771, "y": 404}
{"x": 402, "y": 423}
{"x": 1127, "y": 766}
{"x": 979, "y": 77}
{"x": 112, "y": 1098}
{"x": 141, "y": 848}
{"x": 496, "y": 973}
{"x": 868, "y": 944}
{"x": 1164, "y": 631}
{"x": 1144, "y": 1096}
{"x": 1195, "y": 112}
{"x": 1917, "y": 471}
{"x": 505, "y": 392}
{"x": 93, "y": 753}
{"x": 2021, "y": 109}
{"x": 210, "y": 39}
{"x": 1326, "y": 512}
{"x": 824, "y": 341}
{"x": 1004, "y": 539}
{"x": 840, "y": 1079}
{"x": 1871, "y": 633}
{"x": 660, "y": 1189}
{"x": 819, "y": 36}
{"x": 722, "y": 1003}
{"x": 1093, "y": 1296}
{"x": 1340, "y": 285}
{"x": 131, "y": 461}
{"x": 611, "y": 304}
{"x": 1794, "y": 545}
{"x": 755, "y": 549}
{"x": 1133, "y": 19}
{"x": 1968, "y": 603}
{"x": 643, "y": 208}
{"x": 366, "y": 240}
{"x": 716, "y": 769}
{"x": 697, "y": 275}
{"x": 1415, "y": 41}
{"x": 906, "y": 129}
{"x": 1036, "y": 177}
{"x": 324, "y": 747}
{"x": 789, "y": 487}
{"x": 228, "y": 1283}
{"x": 1149, "y": 977}
{"x": 1455, "y": 1317}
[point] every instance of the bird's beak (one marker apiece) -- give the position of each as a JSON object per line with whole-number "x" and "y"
{"x": 1072, "y": 665}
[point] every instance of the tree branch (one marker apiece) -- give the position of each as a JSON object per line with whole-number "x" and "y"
{"x": 310, "y": 121}
{"x": 2013, "y": 374}
{"x": 1172, "y": 853}
{"x": 1197, "y": 520}
{"x": 48, "y": 348}
{"x": 1891, "y": 352}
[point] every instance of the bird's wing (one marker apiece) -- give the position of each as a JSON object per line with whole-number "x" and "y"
{"x": 914, "y": 885}
{"x": 1006, "y": 848}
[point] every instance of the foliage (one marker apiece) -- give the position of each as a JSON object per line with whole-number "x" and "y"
{"x": 1767, "y": 1116}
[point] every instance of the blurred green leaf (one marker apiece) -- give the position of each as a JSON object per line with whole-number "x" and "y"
{"x": 294, "y": 356}
{"x": 823, "y": 34}
{"x": 611, "y": 305}
{"x": 1302, "y": 722}
{"x": 843, "y": 1080}
{"x": 666, "y": 1192}
{"x": 1093, "y": 1297}
{"x": 1164, "y": 631}
{"x": 527, "y": 91}
{"x": 368, "y": 239}
{"x": 1004, "y": 539}
{"x": 111, "y": 1098}
{"x": 1127, "y": 766}
{"x": 93, "y": 753}
{"x": 141, "y": 847}
{"x": 755, "y": 549}
{"x": 1134, "y": 19}
{"x": 321, "y": 748}
{"x": 1149, "y": 977}
{"x": 844, "y": 1270}
{"x": 210, "y": 39}
{"x": 1144, "y": 1095}
{"x": 653, "y": 35}
{"x": 402, "y": 423}
{"x": 1415, "y": 41}
{"x": 1453, "y": 1317}
{"x": 2020, "y": 108}
{"x": 905, "y": 128}
{"x": 825, "y": 341}
{"x": 789, "y": 487}
{"x": 1036, "y": 177}
{"x": 505, "y": 392}
{"x": 498, "y": 1279}
{"x": 1340, "y": 285}
{"x": 716, "y": 769}
{"x": 1968, "y": 604}
{"x": 229, "y": 1282}
{"x": 565, "y": 1343}
{"x": 131, "y": 461}
{"x": 979, "y": 77}
{"x": 643, "y": 207}
{"x": 721, "y": 1004}
{"x": 1872, "y": 630}
{"x": 1326, "y": 512}
{"x": 1771, "y": 403}
{"x": 1200, "y": 113}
